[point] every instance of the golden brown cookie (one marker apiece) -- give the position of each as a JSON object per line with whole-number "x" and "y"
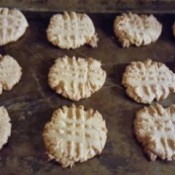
{"x": 148, "y": 80}
{"x": 154, "y": 128}
{"x": 5, "y": 126}
{"x": 74, "y": 135}
{"x": 76, "y": 78}
{"x": 10, "y": 72}
{"x": 138, "y": 30}
{"x": 71, "y": 30}
{"x": 13, "y": 25}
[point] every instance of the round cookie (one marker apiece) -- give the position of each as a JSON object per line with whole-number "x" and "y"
{"x": 148, "y": 80}
{"x": 74, "y": 135}
{"x": 138, "y": 30}
{"x": 71, "y": 30}
{"x": 13, "y": 25}
{"x": 10, "y": 72}
{"x": 5, "y": 126}
{"x": 76, "y": 78}
{"x": 154, "y": 127}
{"x": 173, "y": 27}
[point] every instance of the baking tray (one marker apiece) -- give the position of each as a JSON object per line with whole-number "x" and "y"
{"x": 31, "y": 102}
{"x": 93, "y": 6}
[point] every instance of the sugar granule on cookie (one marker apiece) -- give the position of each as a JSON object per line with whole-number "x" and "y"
{"x": 138, "y": 30}
{"x": 154, "y": 127}
{"x": 71, "y": 30}
{"x": 147, "y": 81}
{"x": 74, "y": 135}
{"x": 76, "y": 78}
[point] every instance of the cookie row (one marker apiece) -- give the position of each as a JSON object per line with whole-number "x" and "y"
{"x": 83, "y": 138}
{"x": 72, "y": 30}
{"x": 82, "y": 135}
{"x": 78, "y": 78}
{"x": 154, "y": 125}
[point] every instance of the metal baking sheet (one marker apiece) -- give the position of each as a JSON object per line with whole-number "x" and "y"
{"x": 95, "y": 6}
{"x": 31, "y": 102}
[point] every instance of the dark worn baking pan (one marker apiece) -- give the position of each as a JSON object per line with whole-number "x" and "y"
{"x": 31, "y": 102}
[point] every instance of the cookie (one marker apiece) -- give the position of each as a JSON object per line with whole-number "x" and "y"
{"x": 13, "y": 25}
{"x": 148, "y": 80}
{"x": 5, "y": 126}
{"x": 76, "y": 78}
{"x": 173, "y": 27}
{"x": 138, "y": 30}
{"x": 74, "y": 135}
{"x": 154, "y": 128}
{"x": 10, "y": 72}
{"x": 71, "y": 30}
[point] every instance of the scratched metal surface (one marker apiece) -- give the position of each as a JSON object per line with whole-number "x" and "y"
{"x": 31, "y": 102}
